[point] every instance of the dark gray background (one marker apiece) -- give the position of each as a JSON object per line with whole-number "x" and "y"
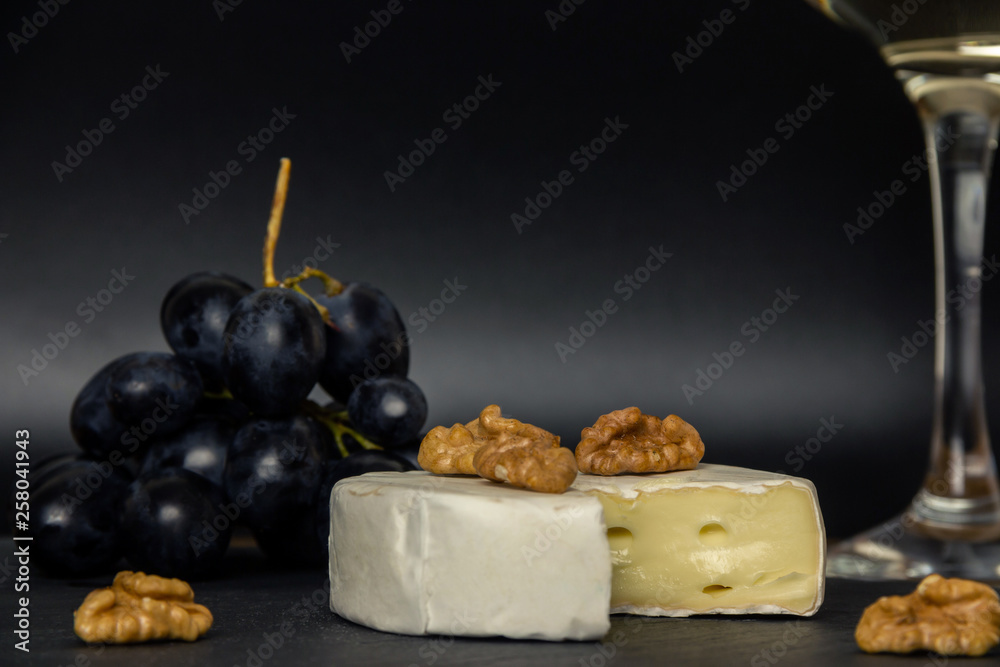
{"x": 824, "y": 358}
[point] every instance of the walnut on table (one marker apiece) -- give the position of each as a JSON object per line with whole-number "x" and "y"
{"x": 138, "y": 607}
{"x": 628, "y": 441}
{"x": 947, "y": 616}
{"x": 500, "y": 449}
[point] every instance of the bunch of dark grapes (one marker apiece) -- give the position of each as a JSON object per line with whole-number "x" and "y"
{"x": 179, "y": 448}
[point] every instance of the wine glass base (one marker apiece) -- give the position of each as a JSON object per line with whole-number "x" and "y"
{"x": 893, "y": 551}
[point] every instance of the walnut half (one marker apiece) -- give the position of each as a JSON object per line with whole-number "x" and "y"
{"x": 500, "y": 449}
{"x": 539, "y": 463}
{"x": 947, "y": 616}
{"x": 450, "y": 451}
{"x": 138, "y": 607}
{"x": 627, "y": 441}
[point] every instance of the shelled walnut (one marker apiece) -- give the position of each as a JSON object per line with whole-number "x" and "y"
{"x": 500, "y": 449}
{"x": 450, "y": 451}
{"x": 947, "y": 616}
{"x": 628, "y": 441}
{"x": 539, "y": 464}
{"x": 138, "y": 607}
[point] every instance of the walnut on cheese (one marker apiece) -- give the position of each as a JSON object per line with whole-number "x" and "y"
{"x": 947, "y": 616}
{"x": 627, "y": 441}
{"x": 529, "y": 463}
{"x": 500, "y": 449}
{"x": 137, "y": 608}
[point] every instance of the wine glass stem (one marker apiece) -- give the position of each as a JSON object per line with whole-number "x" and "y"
{"x": 959, "y": 498}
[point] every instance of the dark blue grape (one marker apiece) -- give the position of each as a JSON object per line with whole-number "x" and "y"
{"x": 390, "y": 411}
{"x": 193, "y": 317}
{"x": 273, "y": 349}
{"x": 273, "y": 472}
{"x": 74, "y": 523}
{"x": 154, "y": 390}
{"x": 226, "y": 409}
{"x": 366, "y": 338}
{"x": 369, "y": 460}
{"x": 200, "y": 447}
{"x": 176, "y": 525}
{"x": 50, "y": 464}
{"x": 95, "y": 429}
{"x": 126, "y": 468}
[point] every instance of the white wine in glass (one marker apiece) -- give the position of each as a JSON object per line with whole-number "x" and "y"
{"x": 946, "y": 54}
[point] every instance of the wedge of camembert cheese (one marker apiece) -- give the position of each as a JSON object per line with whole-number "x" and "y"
{"x": 416, "y": 553}
{"x": 713, "y": 540}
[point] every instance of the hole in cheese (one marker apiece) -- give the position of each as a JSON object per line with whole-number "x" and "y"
{"x": 620, "y": 540}
{"x": 713, "y": 535}
{"x": 715, "y": 590}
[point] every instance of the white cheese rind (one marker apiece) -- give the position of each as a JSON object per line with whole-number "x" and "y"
{"x": 714, "y": 540}
{"x": 415, "y": 553}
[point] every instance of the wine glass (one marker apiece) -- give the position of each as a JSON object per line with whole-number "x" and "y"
{"x": 946, "y": 54}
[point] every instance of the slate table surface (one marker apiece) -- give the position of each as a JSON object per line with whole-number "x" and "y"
{"x": 266, "y": 616}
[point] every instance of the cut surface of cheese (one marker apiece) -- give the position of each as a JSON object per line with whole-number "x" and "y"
{"x": 714, "y": 540}
{"x": 415, "y": 553}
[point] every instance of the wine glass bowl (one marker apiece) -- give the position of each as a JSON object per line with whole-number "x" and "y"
{"x": 946, "y": 55}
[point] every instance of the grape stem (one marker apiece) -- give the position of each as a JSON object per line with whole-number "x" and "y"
{"x": 274, "y": 223}
{"x": 338, "y": 424}
{"x": 331, "y": 286}
{"x": 223, "y": 394}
